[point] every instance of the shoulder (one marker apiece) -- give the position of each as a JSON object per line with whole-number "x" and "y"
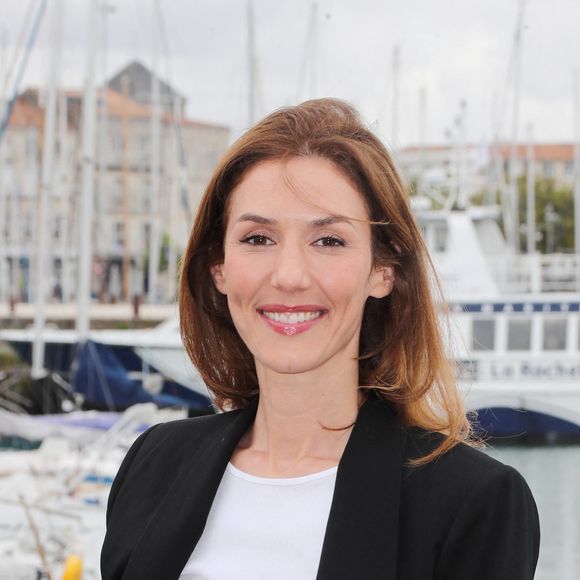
{"x": 479, "y": 511}
{"x": 461, "y": 470}
{"x": 188, "y": 431}
{"x": 169, "y": 444}
{"x": 465, "y": 482}
{"x": 165, "y": 449}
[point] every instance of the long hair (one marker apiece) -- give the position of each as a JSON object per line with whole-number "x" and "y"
{"x": 402, "y": 355}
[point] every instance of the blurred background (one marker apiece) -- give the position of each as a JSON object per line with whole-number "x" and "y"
{"x": 113, "y": 114}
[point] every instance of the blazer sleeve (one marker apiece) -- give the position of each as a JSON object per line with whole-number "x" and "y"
{"x": 113, "y": 552}
{"x": 495, "y": 534}
{"x": 124, "y": 469}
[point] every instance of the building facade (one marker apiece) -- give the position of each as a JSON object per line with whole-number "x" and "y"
{"x": 473, "y": 169}
{"x": 124, "y": 201}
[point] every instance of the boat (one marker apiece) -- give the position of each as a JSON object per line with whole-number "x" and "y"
{"x": 514, "y": 326}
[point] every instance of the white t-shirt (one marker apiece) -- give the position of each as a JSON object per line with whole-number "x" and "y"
{"x": 263, "y": 528}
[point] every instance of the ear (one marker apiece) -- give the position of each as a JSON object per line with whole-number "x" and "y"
{"x": 218, "y": 278}
{"x": 382, "y": 281}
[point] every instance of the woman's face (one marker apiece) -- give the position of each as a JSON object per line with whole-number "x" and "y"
{"x": 298, "y": 265}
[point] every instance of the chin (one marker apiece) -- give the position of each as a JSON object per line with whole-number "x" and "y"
{"x": 286, "y": 364}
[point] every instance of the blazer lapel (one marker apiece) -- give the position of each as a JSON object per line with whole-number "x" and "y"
{"x": 175, "y": 529}
{"x": 362, "y": 530}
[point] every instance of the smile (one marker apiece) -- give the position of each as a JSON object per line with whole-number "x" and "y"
{"x": 291, "y": 320}
{"x": 292, "y": 317}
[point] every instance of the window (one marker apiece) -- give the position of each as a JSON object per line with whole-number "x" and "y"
{"x": 436, "y": 234}
{"x": 519, "y": 334}
{"x": 569, "y": 169}
{"x": 145, "y": 205}
{"x": 117, "y": 144}
{"x": 147, "y": 235}
{"x": 57, "y": 227}
{"x": 548, "y": 169}
{"x": 483, "y": 335}
{"x": 119, "y": 233}
{"x": 117, "y": 194}
{"x": 27, "y": 228}
{"x": 555, "y": 334}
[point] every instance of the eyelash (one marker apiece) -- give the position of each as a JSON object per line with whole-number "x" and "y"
{"x": 334, "y": 241}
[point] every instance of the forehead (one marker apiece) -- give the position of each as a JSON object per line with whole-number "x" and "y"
{"x": 300, "y": 186}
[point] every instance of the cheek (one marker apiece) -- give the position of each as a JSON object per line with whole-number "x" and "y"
{"x": 347, "y": 281}
{"x": 244, "y": 276}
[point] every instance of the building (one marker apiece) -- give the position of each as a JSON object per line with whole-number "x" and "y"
{"x": 135, "y": 81}
{"x": 472, "y": 169}
{"x": 551, "y": 161}
{"x": 123, "y": 213}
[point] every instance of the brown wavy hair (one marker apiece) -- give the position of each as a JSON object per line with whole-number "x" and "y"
{"x": 402, "y": 353}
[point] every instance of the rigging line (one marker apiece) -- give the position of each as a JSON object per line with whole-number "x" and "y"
{"x": 512, "y": 68}
{"x": 30, "y": 43}
{"x": 19, "y": 45}
{"x": 174, "y": 122}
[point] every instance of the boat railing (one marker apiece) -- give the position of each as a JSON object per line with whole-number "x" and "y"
{"x": 535, "y": 273}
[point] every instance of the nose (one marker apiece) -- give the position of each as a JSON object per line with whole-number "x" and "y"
{"x": 290, "y": 272}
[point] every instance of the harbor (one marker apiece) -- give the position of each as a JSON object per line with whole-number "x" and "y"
{"x": 104, "y": 160}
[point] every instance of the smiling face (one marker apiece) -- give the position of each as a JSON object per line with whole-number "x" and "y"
{"x": 298, "y": 267}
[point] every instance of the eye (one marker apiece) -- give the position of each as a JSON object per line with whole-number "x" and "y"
{"x": 329, "y": 242}
{"x": 257, "y": 240}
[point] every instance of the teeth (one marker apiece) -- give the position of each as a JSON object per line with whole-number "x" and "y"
{"x": 292, "y": 317}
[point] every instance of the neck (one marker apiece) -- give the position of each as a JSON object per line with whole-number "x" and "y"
{"x": 303, "y": 421}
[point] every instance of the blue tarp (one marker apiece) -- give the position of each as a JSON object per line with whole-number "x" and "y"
{"x": 101, "y": 378}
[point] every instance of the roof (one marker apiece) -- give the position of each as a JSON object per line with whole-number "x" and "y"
{"x": 118, "y": 105}
{"x": 542, "y": 151}
{"x": 139, "y": 81}
{"x": 25, "y": 115}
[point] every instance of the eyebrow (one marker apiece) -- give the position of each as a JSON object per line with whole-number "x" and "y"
{"x": 320, "y": 222}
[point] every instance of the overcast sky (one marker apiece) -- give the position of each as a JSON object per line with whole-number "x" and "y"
{"x": 456, "y": 49}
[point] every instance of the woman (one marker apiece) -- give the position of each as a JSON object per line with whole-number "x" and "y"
{"x": 306, "y": 305}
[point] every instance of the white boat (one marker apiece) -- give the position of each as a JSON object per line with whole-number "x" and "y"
{"x": 515, "y": 322}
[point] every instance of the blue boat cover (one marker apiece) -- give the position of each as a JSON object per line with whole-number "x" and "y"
{"x": 100, "y": 377}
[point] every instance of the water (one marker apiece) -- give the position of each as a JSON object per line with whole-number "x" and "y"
{"x": 553, "y": 474}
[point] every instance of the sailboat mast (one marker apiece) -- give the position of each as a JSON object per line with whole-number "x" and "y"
{"x": 154, "y": 242}
{"x": 531, "y": 195}
{"x": 396, "y": 72}
{"x": 314, "y": 51}
{"x": 421, "y": 185}
{"x": 46, "y": 190}
{"x": 513, "y": 186}
{"x": 64, "y": 186}
{"x": 88, "y": 180}
{"x": 253, "y": 66}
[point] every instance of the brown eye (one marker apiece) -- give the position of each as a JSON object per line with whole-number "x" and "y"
{"x": 329, "y": 242}
{"x": 257, "y": 241}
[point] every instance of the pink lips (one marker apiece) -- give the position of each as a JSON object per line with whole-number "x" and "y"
{"x": 287, "y": 328}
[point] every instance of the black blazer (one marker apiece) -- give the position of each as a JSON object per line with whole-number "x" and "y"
{"x": 464, "y": 516}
